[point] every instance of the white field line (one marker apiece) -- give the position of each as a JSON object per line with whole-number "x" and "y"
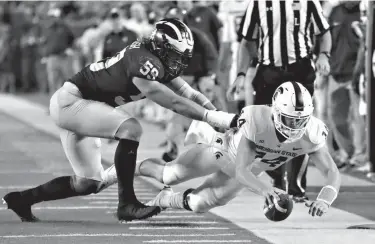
{"x": 142, "y": 222}
{"x": 178, "y": 228}
{"x": 17, "y": 187}
{"x": 164, "y": 212}
{"x": 116, "y": 194}
{"x": 189, "y": 216}
{"x": 114, "y": 198}
{"x": 113, "y": 235}
{"x": 8, "y": 172}
{"x": 2, "y": 208}
{"x": 198, "y": 241}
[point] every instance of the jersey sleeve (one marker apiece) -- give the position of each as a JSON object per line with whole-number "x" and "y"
{"x": 251, "y": 21}
{"x": 319, "y": 21}
{"x": 144, "y": 64}
{"x": 246, "y": 123}
{"x": 317, "y": 133}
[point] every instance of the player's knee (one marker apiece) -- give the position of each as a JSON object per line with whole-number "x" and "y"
{"x": 84, "y": 186}
{"x": 170, "y": 175}
{"x": 130, "y": 129}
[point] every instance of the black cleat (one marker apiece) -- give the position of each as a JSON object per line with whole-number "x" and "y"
{"x": 135, "y": 211}
{"x": 18, "y": 205}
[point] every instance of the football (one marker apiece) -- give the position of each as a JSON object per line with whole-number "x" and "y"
{"x": 281, "y": 209}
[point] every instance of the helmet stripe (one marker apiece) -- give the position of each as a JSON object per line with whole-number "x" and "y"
{"x": 178, "y": 33}
{"x": 299, "y": 98}
{"x": 190, "y": 37}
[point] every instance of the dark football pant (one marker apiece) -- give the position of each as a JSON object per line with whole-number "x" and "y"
{"x": 290, "y": 176}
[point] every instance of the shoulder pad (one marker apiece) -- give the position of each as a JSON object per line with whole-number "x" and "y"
{"x": 317, "y": 131}
{"x": 145, "y": 65}
{"x": 251, "y": 121}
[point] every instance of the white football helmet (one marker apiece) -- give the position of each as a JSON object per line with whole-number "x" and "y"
{"x": 292, "y": 107}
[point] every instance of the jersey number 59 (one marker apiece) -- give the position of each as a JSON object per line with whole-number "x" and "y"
{"x": 149, "y": 70}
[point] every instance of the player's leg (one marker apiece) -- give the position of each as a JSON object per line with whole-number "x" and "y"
{"x": 90, "y": 177}
{"x": 217, "y": 190}
{"x": 198, "y": 161}
{"x": 97, "y": 119}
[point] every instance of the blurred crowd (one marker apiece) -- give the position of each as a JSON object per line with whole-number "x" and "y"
{"x": 341, "y": 96}
{"x": 44, "y": 43}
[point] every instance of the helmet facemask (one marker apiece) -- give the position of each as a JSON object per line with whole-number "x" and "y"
{"x": 291, "y": 127}
{"x": 174, "y": 61}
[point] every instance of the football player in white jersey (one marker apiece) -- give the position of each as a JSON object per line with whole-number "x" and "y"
{"x": 266, "y": 138}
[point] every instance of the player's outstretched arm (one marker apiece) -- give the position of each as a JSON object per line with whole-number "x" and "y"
{"x": 165, "y": 97}
{"x": 245, "y": 157}
{"x": 182, "y": 88}
{"x": 324, "y": 162}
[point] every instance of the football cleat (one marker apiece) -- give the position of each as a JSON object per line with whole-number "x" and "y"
{"x": 162, "y": 199}
{"x": 136, "y": 211}
{"x": 19, "y": 206}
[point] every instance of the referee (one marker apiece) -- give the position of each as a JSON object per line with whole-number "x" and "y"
{"x": 284, "y": 54}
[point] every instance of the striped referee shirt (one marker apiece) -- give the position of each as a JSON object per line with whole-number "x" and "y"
{"x": 283, "y": 29}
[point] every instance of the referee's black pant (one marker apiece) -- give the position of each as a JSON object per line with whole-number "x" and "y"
{"x": 290, "y": 176}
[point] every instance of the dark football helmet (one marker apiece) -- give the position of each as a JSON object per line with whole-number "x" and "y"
{"x": 172, "y": 41}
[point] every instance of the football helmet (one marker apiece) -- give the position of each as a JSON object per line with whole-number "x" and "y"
{"x": 292, "y": 107}
{"x": 172, "y": 41}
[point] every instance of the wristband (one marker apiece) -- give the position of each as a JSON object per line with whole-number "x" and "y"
{"x": 241, "y": 74}
{"x": 218, "y": 118}
{"x": 327, "y": 194}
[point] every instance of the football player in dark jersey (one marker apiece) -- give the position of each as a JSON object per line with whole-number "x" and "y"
{"x": 85, "y": 110}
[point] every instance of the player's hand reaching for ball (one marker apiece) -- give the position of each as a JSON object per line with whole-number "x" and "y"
{"x": 317, "y": 207}
{"x": 271, "y": 196}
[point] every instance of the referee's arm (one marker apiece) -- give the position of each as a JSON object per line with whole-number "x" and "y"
{"x": 249, "y": 28}
{"x": 321, "y": 26}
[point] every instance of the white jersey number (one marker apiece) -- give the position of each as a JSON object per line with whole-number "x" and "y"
{"x": 108, "y": 62}
{"x": 149, "y": 70}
